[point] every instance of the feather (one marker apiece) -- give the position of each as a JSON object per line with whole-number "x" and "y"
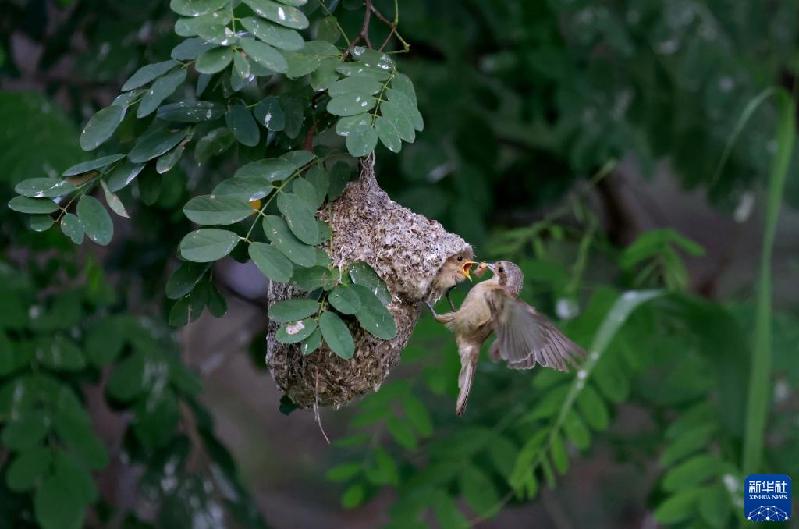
{"x": 469, "y": 352}
{"x": 526, "y": 338}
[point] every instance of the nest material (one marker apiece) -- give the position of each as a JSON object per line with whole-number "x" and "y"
{"x": 406, "y": 250}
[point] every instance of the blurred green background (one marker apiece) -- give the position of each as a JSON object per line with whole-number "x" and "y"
{"x": 605, "y": 146}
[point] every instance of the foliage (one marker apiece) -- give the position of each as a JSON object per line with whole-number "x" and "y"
{"x": 55, "y": 347}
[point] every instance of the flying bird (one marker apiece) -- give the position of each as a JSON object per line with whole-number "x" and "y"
{"x": 524, "y": 337}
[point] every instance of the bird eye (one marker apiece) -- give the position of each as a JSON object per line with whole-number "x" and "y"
{"x": 460, "y": 258}
{"x": 501, "y": 269}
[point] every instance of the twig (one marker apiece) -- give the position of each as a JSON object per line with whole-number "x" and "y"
{"x": 367, "y": 17}
{"x": 316, "y": 416}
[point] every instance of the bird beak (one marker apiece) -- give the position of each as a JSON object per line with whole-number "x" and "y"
{"x": 492, "y": 267}
{"x": 466, "y": 270}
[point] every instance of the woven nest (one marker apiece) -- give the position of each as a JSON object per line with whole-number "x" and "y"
{"x": 406, "y": 250}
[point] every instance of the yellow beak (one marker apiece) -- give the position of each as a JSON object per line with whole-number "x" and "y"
{"x": 466, "y": 270}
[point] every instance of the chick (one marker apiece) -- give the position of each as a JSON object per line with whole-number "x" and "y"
{"x": 454, "y": 270}
{"x": 524, "y": 336}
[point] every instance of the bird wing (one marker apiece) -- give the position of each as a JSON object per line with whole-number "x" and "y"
{"x": 526, "y": 338}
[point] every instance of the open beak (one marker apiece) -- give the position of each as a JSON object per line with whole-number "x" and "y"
{"x": 466, "y": 269}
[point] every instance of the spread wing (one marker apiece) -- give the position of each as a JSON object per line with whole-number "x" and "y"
{"x": 526, "y": 338}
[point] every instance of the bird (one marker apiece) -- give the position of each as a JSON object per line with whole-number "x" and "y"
{"x": 524, "y": 337}
{"x": 454, "y": 270}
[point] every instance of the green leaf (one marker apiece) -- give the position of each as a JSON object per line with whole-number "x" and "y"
{"x": 593, "y": 408}
{"x": 154, "y": 143}
{"x": 240, "y": 121}
{"x": 284, "y": 15}
{"x": 60, "y": 353}
{"x": 101, "y": 127}
{"x": 715, "y": 506}
{"x": 28, "y": 468}
{"x": 312, "y": 343}
{"x": 343, "y": 472}
{"x": 214, "y": 60}
{"x": 122, "y": 175}
{"x": 345, "y": 300}
{"x": 299, "y": 217}
{"x": 677, "y": 508}
{"x": 25, "y": 431}
{"x": 293, "y": 309}
{"x": 312, "y": 56}
{"x": 193, "y": 8}
{"x": 269, "y": 114}
{"x": 113, "y": 201}
{"x": 127, "y": 379}
{"x": 242, "y": 66}
{"x": 269, "y": 170}
{"x": 156, "y": 419}
{"x": 417, "y": 414}
{"x": 190, "y": 49}
{"x": 388, "y": 134}
{"x": 74, "y": 428}
{"x": 248, "y": 189}
{"x": 44, "y": 187}
{"x": 264, "y": 54}
{"x": 212, "y": 209}
{"x": 358, "y": 69}
{"x": 212, "y": 144}
{"x": 336, "y": 334}
{"x": 191, "y": 112}
{"x": 294, "y": 108}
{"x": 402, "y": 83}
{"x": 295, "y": 332}
{"x": 360, "y": 142}
{"x": 309, "y": 279}
{"x": 104, "y": 340}
{"x": 91, "y": 165}
{"x": 408, "y": 108}
{"x": 206, "y": 245}
{"x": 576, "y": 431}
{"x": 298, "y": 159}
{"x": 279, "y": 37}
{"x": 479, "y": 491}
{"x": 40, "y": 223}
{"x": 160, "y": 90}
{"x": 356, "y": 85}
{"x": 363, "y": 274}
{"x": 396, "y": 116}
{"x": 57, "y": 502}
{"x": 350, "y": 104}
{"x": 282, "y": 238}
{"x": 212, "y": 27}
{"x": 167, "y": 161}
{"x": 185, "y": 278}
{"x": 401, "y": 432}
{"x": 320, "y": 180}
{"x": 95, "y": 219}
{"x": 148, "y": 73}
{"x": 353, "y": 496}
{"x": 72, "y": 228}
{"x": 373, "y": 316}
{"x": 32, "y": 205}
{"x": 687, "y": 443}
{"x": 558, "y": 452}
{"x": 693, "y": 471}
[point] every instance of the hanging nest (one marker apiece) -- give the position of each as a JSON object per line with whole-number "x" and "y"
{"x": 406, "y": 250}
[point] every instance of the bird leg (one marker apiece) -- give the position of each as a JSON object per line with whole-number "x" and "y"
{"x": 451, "y": 304}
{"x": 430, "y": 305}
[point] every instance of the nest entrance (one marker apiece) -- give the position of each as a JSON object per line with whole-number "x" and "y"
{"x": 406, "y": 250}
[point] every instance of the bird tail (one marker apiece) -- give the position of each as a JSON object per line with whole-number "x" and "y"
{"x": 469, "y": 356}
